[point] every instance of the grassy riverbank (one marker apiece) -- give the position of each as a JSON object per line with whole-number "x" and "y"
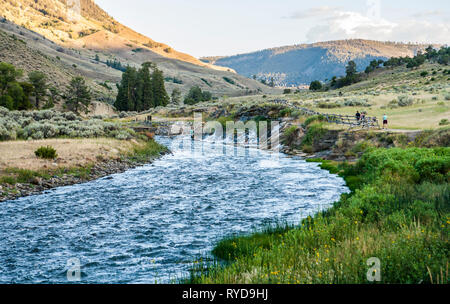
{"x": 398, "y": 212}
{"x": 79, "y": 160}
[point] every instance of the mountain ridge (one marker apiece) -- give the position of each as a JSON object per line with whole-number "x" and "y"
{"x": 302, "y": 63}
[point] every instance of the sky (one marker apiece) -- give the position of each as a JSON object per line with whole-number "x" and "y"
{"x": 229, "y": 27}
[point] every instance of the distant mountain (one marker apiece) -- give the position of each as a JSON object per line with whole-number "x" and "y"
{"x": 87, "y": 37}
{"x": 301, "y": 64}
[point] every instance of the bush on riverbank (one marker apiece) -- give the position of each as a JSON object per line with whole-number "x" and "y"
{"x": 52, "y": 124}
{"x": 140, "y": 152}
{"x": 46, "y": 153}
{"x": 398, "y": 212}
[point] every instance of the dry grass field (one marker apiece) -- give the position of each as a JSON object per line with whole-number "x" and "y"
{"x": 71, "y": 152}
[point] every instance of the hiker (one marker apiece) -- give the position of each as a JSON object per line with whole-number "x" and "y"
{"x": 363, "y": 116}
{"x": 385, "y": 121}
{"x": 358, "y": 116}
{"x": 192, "y": 134}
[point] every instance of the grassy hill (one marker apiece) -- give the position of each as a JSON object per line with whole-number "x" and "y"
{"x": 379, "y": 94}
{"x": 29, "y": 52}
{"x": 301, "y": 64}
{"x": 49, "y": 28}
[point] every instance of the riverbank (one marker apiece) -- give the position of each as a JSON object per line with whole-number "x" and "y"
{"x": 312, "y": 137}
{"x": 398, "y": 212}
{"x": 79, "y": 160}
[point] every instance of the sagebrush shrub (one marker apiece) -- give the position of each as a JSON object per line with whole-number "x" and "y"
{"x": 404, "y": 101}
{"x": 51, "y": 124}
{"x": 46, "y": 152}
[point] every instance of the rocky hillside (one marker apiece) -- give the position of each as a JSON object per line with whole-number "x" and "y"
{"x": 86, "y": 38}
{"x": 301, "y": 64}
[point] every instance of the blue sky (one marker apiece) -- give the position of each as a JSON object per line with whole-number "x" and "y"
{"x": 227, "y": 27}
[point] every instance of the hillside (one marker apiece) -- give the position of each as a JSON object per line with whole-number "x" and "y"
{"x": 60, "y": 66}
{"x": 426, "y": 88}
{"x": 301, "y": 64}
{"x": 93, "y": 28}
{"x": 48, "y": 27}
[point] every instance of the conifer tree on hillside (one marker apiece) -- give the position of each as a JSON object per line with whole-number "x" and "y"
{"x": 145, "y": 89}
{"x": 125, "y": 96}
{"x": 78, "y": 95}
{"x": 39, "y": 81}
{"x": 176, "y": 96}
{"x": 140, "y": 90}
{"x": 159, "y": 91}
{"x": 14, "y": 95}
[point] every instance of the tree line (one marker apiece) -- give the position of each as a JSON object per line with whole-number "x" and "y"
{"x": 36, "y": 92}
{"x": 140, "y": 90}
{"x": 196, "y": 95}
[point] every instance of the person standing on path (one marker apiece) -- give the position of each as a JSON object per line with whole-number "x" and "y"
{"x": 385, "y": 121}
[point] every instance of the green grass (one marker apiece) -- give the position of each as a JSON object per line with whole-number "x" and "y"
{"x": 151, "y": 149}
{"x": 13, "y": 176}
{"x": 314, "y": 134}
{"x": 398, "y": 211}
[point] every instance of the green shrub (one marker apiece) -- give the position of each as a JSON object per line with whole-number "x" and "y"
{"x": 223, "y": 121}
{"x": 328, "y": 105}
{"x": 229, "y": 80}
{"x": 314, "y": 118}
{"x": 289, "y": 135}
{"x": 355, "y": 103}
{"x": 433, "y": 169}
{"x": 444, "y": 122}
{"x": 314, "y": 133}
{"x": 404, "y": 101}
{"x": 46, "y": 153}
{"x": 52, "y": 124}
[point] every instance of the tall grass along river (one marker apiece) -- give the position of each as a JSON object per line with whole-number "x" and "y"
{"x": 149, "y": 224}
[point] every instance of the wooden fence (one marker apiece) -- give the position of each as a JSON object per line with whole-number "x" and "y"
{"x": 347, "y": 120}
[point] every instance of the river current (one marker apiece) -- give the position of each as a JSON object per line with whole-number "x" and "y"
{"x": 149, "y": 224}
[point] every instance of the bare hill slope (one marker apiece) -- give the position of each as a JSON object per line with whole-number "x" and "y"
{"x": 48, "y": 26}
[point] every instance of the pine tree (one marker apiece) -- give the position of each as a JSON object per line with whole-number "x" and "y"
{"x": 8, "y": 74}
{"x": 176, "y": 96}
{"x": 78, "y": 95}
{"x": 39, "y": 82}
{"x": 141, "y": 90}
{"x": 145, "y": 88}
{"x": 126, "y": 96}
{"x": 160, "y": 95}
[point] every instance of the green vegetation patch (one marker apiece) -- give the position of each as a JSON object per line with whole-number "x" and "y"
{"x": 151, "y": 149}
{"x": 46, "y": 152}
{"x": 398, "y": 212}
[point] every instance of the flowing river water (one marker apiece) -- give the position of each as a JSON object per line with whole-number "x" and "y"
{"x": 149, "y": 224}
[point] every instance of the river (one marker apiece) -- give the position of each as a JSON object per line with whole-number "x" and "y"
{"x": 148, "y": 224}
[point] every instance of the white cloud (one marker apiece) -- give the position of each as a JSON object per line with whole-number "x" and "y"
{"x": 340, "y": 24}
{"x": 428, "y": 14}
{"x": 314, "y": 12}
